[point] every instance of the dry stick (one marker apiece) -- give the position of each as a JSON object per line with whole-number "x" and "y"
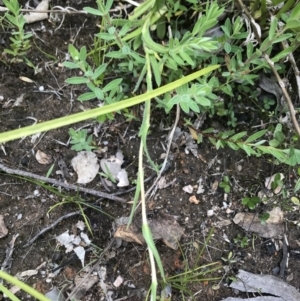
{"x": 168, "y": 151}
{"x": 32, "y": 240}
{"x": 285, "y": 257}
{"x": 7, "y": 263}
{"x": 285, "y": 93}
{"x": 67, "y": 10}
{"x": 271, "y": 64}
{"x": 61, "y": 184}
{"x": 294, "y": 66}
{"x": 166, "y": 158}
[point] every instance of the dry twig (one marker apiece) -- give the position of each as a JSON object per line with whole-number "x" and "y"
{"x": 271, "y": 64}
{"x": 60, "y": 184}
{"x": 46, "y": 229}
{"x": 168, "y": 151}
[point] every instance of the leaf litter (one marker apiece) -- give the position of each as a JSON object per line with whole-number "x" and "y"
{"x": 76, "y": 243}
{"x": 112, "y": 168}
{"x": 164, "y": 227}
{"x": 86, "y": 166}
{"x": 263, "y": 284}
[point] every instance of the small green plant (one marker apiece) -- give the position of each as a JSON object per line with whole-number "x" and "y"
{"x": 225, "y": 184}
{"x": 251, "y": 202}
{"x": 108, "y": 175}
{"x": 277, "y": 184}
{"x": 264, "y": 217}
{"x": 183, "y": 280}
{"x": 268, "y": 103}
{"x": 80, "y": 140}
{"x": 241, "y": 241}
{"x": 230, "y": 259}
{"x": 195, "y": 272}
{"x": 93, "y": 78}
{"x": 20, "y": 40}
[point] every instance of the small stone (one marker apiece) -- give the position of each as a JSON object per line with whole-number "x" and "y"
{"x": 210, "y": 213}
{"x": 36, "y": 193}
{"x": 194, "y": 200}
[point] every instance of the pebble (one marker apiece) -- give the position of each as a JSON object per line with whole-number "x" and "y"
{"x": 210, "y": 213}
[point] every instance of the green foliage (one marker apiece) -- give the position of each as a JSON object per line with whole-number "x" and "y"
{"x": 254, "y": 146}
{"x": 80, "y": 140}
{"x": 263, "y": 217}
{"x": 251, "y": 202}
{"x": 20, "y": 40}
{"x": 230, "y": 258}
{"x": 104, "y": 110}
{"x": 26, "y": 288}
{"x": 107, "y": 174}
{"x": 225, "y": 184}
{"x": 241, "y": 241}
{"x": 277, "y": 182}
{"x": 135, "y": 53}
{"x": 193, "y": 272}
{"x": 268, "y": 103}
{"x": 93, "y": 78}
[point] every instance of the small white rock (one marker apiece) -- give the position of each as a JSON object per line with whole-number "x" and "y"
{"x": 188, "y": 189}
{"x": 118, "y": 281}
{"x": 36, "y": 193}
{"x": 210, "y": 213}
{"x": 131, "y": 285}
{"x": 41, "y": 88}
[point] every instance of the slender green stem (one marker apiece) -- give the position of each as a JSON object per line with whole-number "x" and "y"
{"x": 71, "y": 119}
{"x": 26, "y": 288}
{"x": 8, "y": 293}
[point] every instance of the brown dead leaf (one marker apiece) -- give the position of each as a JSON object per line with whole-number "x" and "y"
{"x": 193, "y": 133}
{"x": 202, "y": 158}
{"x": 151, "y": 205}
{"x": 26, "y": 79}
{"x": 69, "y": 273}
{"x": 146, "y": 268}
{"x": 83, "y": 283}
{"x": 3, "y": 229}
{"x": 130, "y": 234}
{"x": 194, "y": 200}
{"x": 178, "y": 263}
{"x": 214, "y": 186}
{"x": 43, "y": 158}
{"x": 163, "y": 227}
{"x": 41, "y": 287}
